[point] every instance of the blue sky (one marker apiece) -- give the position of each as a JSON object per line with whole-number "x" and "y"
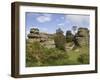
{"x": 49, "y": 22}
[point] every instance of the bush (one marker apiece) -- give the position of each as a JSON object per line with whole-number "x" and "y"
{"x": 55, "y": 56}
{"x": 84, "y": 59}
{"x": 34, "y": 53}
{"x": 37, "y": 55}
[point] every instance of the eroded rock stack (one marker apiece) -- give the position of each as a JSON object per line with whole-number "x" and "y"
{"x": 83, "y": 36}
{"x": 43, "y": 38}
{"x": 35, "y": 35}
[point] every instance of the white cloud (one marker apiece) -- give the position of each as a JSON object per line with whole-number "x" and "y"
{"x": 33, "y": 27}
{"x": 61, "y": 24}
{"x": 78, "y": 19}
{"x": 43, "y": 29}
{"x": 44, "y": 18}
{"x": 48, "y": 15}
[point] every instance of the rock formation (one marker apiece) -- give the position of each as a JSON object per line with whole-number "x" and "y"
{"x": 47, "y": 40}
{"x": 43, "y": 38}
{"x": 78, "y": 40}
{"x": 83, "y": 36}
{"x": 35, "y": 35}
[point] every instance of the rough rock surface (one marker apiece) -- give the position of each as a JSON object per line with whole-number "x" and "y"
{"x": 45, "y": 39}
{"x": 83, "y": 36}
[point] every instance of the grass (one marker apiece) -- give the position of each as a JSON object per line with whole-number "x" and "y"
{"x": 42, "y": 56}
{"x": 75, "y": 55}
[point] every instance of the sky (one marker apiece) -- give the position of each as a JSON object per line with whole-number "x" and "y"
{"x": 49, "y": 22}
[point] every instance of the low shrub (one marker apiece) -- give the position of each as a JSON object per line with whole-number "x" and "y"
{"x": 84, "y": 59}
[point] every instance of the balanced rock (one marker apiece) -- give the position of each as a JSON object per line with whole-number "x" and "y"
{"x": 34, "y": 30}
{"x": 44, "y": 39}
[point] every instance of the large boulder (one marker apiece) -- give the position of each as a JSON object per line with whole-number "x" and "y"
{"x": 83, "y": 32}
{"x": 34, "y": 30}
{"x": 32, "y": 35}
{"x": 83, "y": 36}
{"x": 35, "y": 35}
{"x": 43, "y": 37}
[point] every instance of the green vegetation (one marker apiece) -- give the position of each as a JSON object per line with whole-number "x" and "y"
{"x": 79, "y": 56}
{"x": 34, "y": 53}
{"x": 38, "y": 55}
{"x": 63, "y": 50}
